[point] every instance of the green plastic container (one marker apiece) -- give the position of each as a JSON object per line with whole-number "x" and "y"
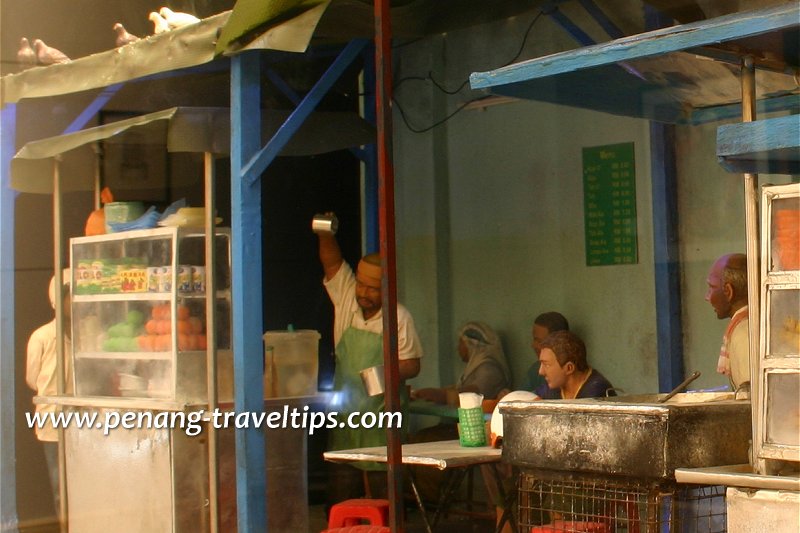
{"x": 471, "y": 432}
{"x": 122, "y": 212}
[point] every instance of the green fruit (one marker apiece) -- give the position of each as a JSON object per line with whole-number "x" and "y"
{"x": 130, "y": 344}
{"x": 114, "y": 344}
{"x": 122, "y": 329}
{"x": 135, "y": 317}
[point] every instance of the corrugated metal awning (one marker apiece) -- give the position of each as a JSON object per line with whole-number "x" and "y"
{"x": 179, "y": 129}
{"x": 177, "y": 49}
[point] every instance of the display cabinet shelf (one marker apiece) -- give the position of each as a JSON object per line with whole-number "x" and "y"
{"x": 144, "y": 356}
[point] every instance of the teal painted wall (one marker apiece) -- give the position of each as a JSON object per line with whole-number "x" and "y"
{"x": 711, "y": 205}
{"x": 490, "y": 217}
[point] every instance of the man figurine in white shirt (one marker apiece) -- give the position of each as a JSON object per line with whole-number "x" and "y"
{"x": 727, "y": 294}
{"x": 358, "y": 337}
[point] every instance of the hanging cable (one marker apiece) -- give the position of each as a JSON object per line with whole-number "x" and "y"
{"x": 444, "y": 90}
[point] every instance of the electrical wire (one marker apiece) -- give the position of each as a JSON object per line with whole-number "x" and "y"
{"x": 444, "y": 90}
{"x": 437, "y": 123}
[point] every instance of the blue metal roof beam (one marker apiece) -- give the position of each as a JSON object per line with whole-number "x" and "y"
{"x": 581, "y": 36}
{"x": 293, "y": 97}
{"x": 602, "y": 19}
{"x": 91, "y": 110}
{"x": 564, "y": 21}
{"x": 261, "y": 160}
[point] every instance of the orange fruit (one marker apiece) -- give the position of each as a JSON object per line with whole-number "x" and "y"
{"x": 196, "y": 324}
{"x": 184, "y": 342}
{"x": 164, "y": 343}
{"x": 163, "y": 327}
{"x": 144, "y": 342}
{"x": 151, "y": 327}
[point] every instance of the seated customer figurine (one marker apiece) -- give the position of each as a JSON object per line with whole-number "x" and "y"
{"x": 543, "y": 325}
{"x": 486, "y": 372}
{"x": 562, "y": 355}
{"x": 566, "y": 370}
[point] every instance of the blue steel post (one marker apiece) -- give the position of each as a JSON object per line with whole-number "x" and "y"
{"x": 370, "y": 158}
{"x": 8, "y": 472}
{"x": 247, "y": 293}
{"x": 666, "y": 255}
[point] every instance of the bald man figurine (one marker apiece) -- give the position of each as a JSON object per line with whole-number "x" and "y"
{"x": 727, "y": 294}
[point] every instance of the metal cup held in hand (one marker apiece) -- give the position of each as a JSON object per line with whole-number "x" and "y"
{"x": 372, "y": 378}
{"x": 327, "y": 223}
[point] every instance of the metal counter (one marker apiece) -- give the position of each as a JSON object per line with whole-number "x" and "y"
{"x": 156, "y": 480}
{"x": 627, "y": 435}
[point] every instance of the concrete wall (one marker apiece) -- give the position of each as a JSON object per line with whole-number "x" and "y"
{"x": 490, "y": 216}
{"x": 711, "y": 203}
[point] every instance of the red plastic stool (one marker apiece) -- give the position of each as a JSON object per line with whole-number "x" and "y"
{"x": 359, "y": 529}
{"x": 562, "y": 526}
{"x": 351, "y": 512}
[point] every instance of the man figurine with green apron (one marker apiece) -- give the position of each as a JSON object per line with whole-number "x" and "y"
{"x": 358, "y": 336}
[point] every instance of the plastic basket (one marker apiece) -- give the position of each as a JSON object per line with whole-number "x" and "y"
{"x": 471, "y": 427}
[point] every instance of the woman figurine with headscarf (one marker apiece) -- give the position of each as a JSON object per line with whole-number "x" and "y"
{"x": 486, "y": 372}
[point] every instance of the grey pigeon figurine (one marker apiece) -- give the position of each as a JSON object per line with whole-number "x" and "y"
{"x": 26, "y": 57}
{"x": 176, "y": 19}
{"x": 47, "y": 55}
{"x": 159, "y": 24}
{"x": 123, "y": 37}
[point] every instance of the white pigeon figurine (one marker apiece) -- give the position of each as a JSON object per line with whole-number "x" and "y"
{"x": 159, "y": 24}
{"x": 177, "y": 19}
{"x": 26, "y": 57}
{"x": 47, "y": 55}
{"x": 123, "y": 37}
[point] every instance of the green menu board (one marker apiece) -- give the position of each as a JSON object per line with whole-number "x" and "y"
{"x": 609, "y": 205}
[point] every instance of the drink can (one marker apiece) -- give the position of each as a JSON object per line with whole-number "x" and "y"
{"x": 199, "y": 279}
{"x": 153, "y": 279}
{"x": 184, "y": 278}
{"x": 165, "y": 279}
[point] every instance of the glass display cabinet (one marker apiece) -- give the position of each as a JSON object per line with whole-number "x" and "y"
{"x": 777, "y": 448}
{"x": 139, "y": 306}
{"x": 139, "y": 315}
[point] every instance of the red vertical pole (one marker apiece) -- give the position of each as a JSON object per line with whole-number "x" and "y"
{"x": 383, "y": 100}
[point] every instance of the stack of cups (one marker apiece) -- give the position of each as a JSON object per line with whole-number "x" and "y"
{"x": 470, "y": 420}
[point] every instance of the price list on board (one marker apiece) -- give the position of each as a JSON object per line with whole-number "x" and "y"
{"x": 609, "y": 205}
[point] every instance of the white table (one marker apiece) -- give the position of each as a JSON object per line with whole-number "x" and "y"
{"x": 443, "y": 455}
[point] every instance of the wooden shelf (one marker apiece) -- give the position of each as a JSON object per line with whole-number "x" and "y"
{"x": 679, "y": 74}
{"x": 764, "y": 146}
{"x": 141, "y": 356}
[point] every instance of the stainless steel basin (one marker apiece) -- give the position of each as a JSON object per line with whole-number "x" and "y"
{"x": 628, "y": 435}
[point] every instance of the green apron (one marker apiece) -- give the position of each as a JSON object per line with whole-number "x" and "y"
{"x": 359, "y": 349}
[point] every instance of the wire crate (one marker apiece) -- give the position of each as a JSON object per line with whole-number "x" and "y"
{"x": 552, "y": 502}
